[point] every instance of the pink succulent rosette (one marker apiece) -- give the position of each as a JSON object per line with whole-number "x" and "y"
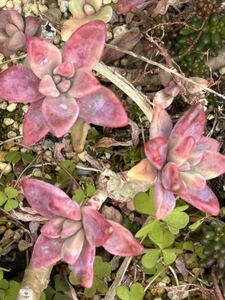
{"x": 124, "y": 6}
{"x": 15, "y": 30}
{"x": 180, "y": 160}
{"x": 73, "y": 232}
{"x": 60, "y": 85}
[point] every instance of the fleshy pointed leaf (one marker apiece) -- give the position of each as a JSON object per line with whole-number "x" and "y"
{"x": 48, "y": 200}
{"x": 24, "y": 80}
{"x": 124, "y": 6}
{"x": 164, "y": 200}
{"x": 85, "y": 47}
{"x": 32, "y": 26}
{"x": 103, "y": 108}
{"x": 43, "y": 56}
{"x": 204, "y": 200}
{"x": 65, "y": 69}
{"x": 156, "y": 151}
{"x": 143, "y": 171}
{"x": 171, "y": 179}
{"x": 83, "y": 267}
{"x": 70, "y": 228}
{"x": 53, "y": 228}
{"x": 161, "y": 123}
{"x": 207, "y": 143}
{"x": 211, "y": 165}
{"x": 16, "y": 42}
{"x": 84, "y": 84}
{"x": 122, "y": 242}
{"x": 60, "y": 113}
{"x": 46, "y": 252}
{"x": 11, "y": 16}
{"x": 34, "y": 125}
{"x": 47, "y": 87}
{"x": 192, "y": 123}
{"x": 97, "y": 229}
{"x": 180, "y": 151}
{"x": 193, "y": 180}
{"x": 72, "y": 247}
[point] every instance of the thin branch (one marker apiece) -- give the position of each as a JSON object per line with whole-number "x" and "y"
{"x": 171, "y": 71}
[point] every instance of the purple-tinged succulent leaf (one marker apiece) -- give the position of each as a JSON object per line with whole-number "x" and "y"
{"x": 85, "y": 47}
{"x": 124, "y": 6}
{"x": 83, "y": 84}
{"x": 83, "y": 268}
{"x": 60, "y": 113}
{"x": 192, "y": 123}
{"x": 180, "y": 151}
{"x": 97, "y": 229}
{"x": 31, "y": 26}
{"x": 70, "y": 228}
{"x": 34, "y": 125}
{"x": 47, "y": 87}
{"x": 164, "y": 201}
{"x": 156, "y": 151}
{"x": 19, "y": 84}
{"x": 211, "y": 165}
{"x": 143, "y": 171}
{"x": 121, "y": 242}
{"x": 103, "y": 108}
{"x": 43, "y": 56}
{"x": 46, "y": 252}
{"x": 52, "y": 229}
{"x": 207, "y": 143}
{"x": 66, "y": 69}
{"x": 11, "y": 17}
{"x": 193, "y": 180}
{"x": 72, "y": 247}
{"x": 15, "y": 42}
{"x": 172, "y": 180}
{"x": 161, "y": 124}
{"x": 204, "y": 200}
{"x": 48, "y": 200}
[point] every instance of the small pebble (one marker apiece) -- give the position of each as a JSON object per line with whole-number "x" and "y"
{"x": 8, "y": 121}
{"x": 5, "y": 168}
{"x": 2, "y": 3}
{"x": 11, "y": 134}
{"x": 11, "y": 107}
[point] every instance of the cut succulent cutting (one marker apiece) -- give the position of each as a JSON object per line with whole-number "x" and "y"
{"x": 73, "y": 232}
{"x": 61, "y": 87}
{"x": 179, "y": 161}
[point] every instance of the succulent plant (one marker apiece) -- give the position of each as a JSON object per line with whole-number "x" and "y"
{"x": 84, "y": 11}
{"x": 214, "y": 242}
{"x": 15, "y": 30}
{"x": 73, "y": 232}
{"x": 61, "y": 87}
{"x": 179, "y": 161}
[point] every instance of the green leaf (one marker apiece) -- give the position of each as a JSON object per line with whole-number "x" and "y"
{"x": 27, "y": 158}
{"x": 90, "y": 293}
{"x": 79, "y": 195}
{"x": 11, "y": 204}
{"x": 193, "y": 227}
{"x": 101, "y": 286}
{"x": 161, "y": 236}
{"x": 13, "y": 157}
{"x": 4, "y": 284}
{"x": 188, "y": 246}
{"x": 145, "y": 230}
{"x": 101, "y": 269}
{"x": 173, "y": 230}
{"x": 1, "y": 274}
{"x": 123, "y": 293}
{"x": 181, "y": 208}
{"x": 143, "y": 204}
{"x": 3, "y": 198}
{"x": 11, "y": 192}
{"x": 73, "y": 280}
{"x": 149, "y": 260}
{"x": 177, "y": 219}
{"x": 136, "y": 291}
{"x": 59, "y": 296}
{"x": 11, "y": 293}
{"x": 90, "y": 190}
{"x": 60, "y": 284}
{"x": 169, "y": 256}
{"x": 43, "y": 296}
